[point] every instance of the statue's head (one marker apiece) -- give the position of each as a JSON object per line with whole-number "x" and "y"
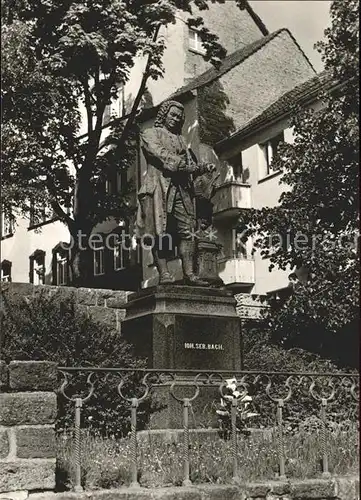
{"x": 171, "y": 116}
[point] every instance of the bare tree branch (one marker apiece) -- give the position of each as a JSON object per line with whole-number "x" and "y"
{"x": 139, "y": 96}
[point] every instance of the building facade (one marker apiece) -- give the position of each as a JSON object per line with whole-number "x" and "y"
{"x": 260, "y": 68}
{"x": 249, "y": 180}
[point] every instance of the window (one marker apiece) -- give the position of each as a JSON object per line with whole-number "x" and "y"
{"x": 269, "y": 151}
{"x": 98, "y": 262}
{"x": 37, "y": 267}
{"x": 236, "y": 163}
{"x": 39, "y": 214}
{"x": 240, "y": 244}
{"x": 117, "y": 107}
{"x": 5, "y": 269}
{"x": 7, "y": 226}
{"x": 60, "y": 266}
{"x": 195, "y": 41}
{"x": 121, "y": 252}
{"x": 113, "y": 184}
{"x": 61, "y": 270}
{"x": 119, "y": 260}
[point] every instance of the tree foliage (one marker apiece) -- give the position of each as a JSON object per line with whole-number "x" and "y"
{"x": 55, "y": 56}
{"x": 214, "y": 123}
{"x": 318, "y": 215}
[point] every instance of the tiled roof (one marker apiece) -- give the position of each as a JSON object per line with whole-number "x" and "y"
{"x": 301, "y": 94}
{"x": 230, "y": 62}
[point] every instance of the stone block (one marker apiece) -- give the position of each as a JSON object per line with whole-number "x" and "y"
{"x": 347, "y": 489}
{"x": 4, "y": 443}
{"x": 220, "y": 492}
{"x": 19, "y": 289}
{"x": 103, "y": 295}
{"x": 44, "y": 290}
{"x": 27, "y": 408}
{"x": 14, "y": 495}
{"x": 313, "y": 488}
{"x": 87, "y": 297}
{"x": 279, "y": 488}
{"x": 3, "y": 374}
{"x": 118, "y": 301}
{"x": 177, "y": 494}
{"x": 35, "y": 442}
{"x": 103, "y": 315}
{"x": 33, "y": 375}
{"x": 255, "y": 490}
{"x": 37, "y": 474}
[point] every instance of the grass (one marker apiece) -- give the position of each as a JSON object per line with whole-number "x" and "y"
{"x": 106, "y": 462}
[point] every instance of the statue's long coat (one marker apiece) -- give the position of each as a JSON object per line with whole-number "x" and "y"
{"x": 165, "y": 153}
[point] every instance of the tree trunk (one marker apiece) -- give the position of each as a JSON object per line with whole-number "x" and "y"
{"x": 81, "y": 255}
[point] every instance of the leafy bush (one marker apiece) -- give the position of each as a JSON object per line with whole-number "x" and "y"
{"x": 261, "y": 354}
{"x": 52, "y": 328}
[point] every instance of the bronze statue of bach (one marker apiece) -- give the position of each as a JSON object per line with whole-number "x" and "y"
{"x": 166, "y": 199}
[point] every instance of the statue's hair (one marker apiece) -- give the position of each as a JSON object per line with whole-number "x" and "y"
{"x": 164, "y": 110}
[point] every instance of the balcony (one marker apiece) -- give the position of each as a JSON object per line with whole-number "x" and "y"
{"x": 230, "y": 198}
{"x": 237, "y": 273}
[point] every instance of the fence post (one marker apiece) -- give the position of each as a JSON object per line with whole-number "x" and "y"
{"x": 234, "y": 438}
{"x": 133, "y": 437}
{"x": 281, "y": 453}
{"x": 78, "y": 405}
{"x": 186, "y": 405}
{"x": 325, "y": 471}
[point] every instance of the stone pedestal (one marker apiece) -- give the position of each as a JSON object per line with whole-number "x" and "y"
{"x": 182, "y": 327}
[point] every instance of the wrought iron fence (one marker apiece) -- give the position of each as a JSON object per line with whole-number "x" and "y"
{"x": 281, "y": 390}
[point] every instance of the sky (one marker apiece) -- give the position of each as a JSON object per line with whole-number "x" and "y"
{"x": 306, "y": 19}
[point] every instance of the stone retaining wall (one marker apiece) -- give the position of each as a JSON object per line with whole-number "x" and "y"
{"x": 316, "y": 489}
{"x": 27, "y": 438}
{"x": 104, "y": 306}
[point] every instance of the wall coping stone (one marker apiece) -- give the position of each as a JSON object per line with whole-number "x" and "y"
{"x": 326, "y": 489}
{"x": 33, "y": 376}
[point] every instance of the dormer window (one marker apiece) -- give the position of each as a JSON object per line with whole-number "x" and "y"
{"x": 195, "y": 41}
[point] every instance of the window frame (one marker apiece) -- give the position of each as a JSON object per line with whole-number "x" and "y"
{"x": 100, "y": 251}
{"x": 47, "y": 215}
{"x": 198, "y": 44}
{"x": 7, "y": 276}
{"x": 116, "y": 107}
{"x": 60, "y": 254}
{"x": 268, "y": 150}
{"x": 119, "y": 248}
{"x": 7, "y": 225}
{"x": 61, "y": 259}
{"x": 38, "y": 257}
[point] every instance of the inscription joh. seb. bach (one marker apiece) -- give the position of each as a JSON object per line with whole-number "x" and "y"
{"x": 211, "y": 347}
{"x": 204, "y": 343}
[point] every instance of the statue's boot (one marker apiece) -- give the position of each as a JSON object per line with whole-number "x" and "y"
{"x": 165, "y": 277}
{"x": 186, "y": 253}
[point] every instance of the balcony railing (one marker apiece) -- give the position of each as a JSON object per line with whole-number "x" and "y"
{"x": 230, "y": 198}
{"x": 236, "y": 273}
{"x": 275, "y": 396}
